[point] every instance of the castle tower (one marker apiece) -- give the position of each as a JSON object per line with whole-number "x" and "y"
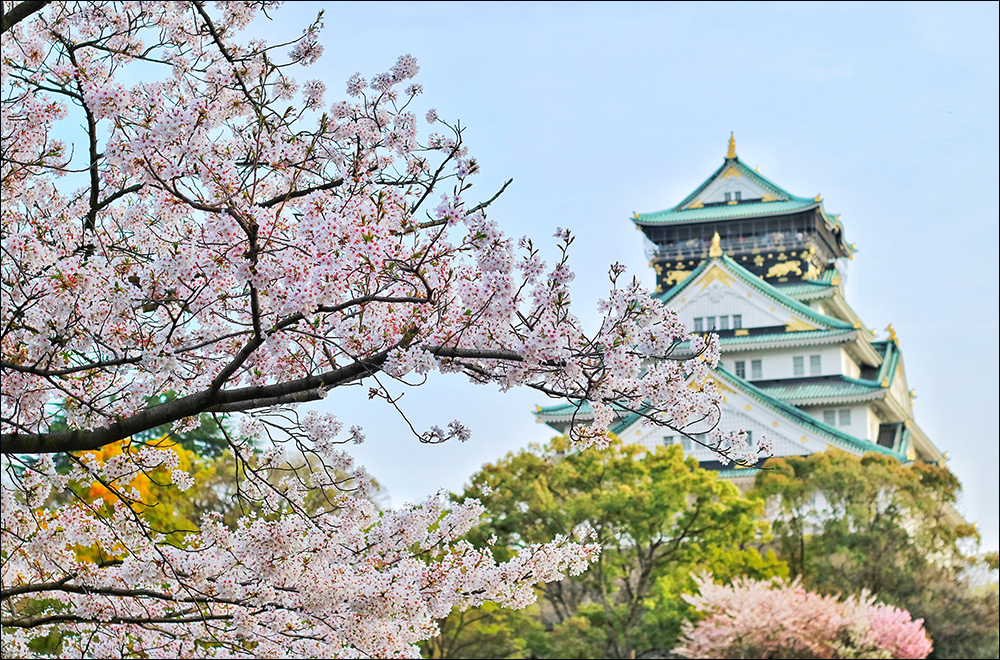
{"x": 758, "y": 265}
{"x": 774, "y": 234}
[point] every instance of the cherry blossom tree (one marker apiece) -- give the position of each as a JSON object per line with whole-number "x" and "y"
{"x": 773, "y": 619}
{"x": 183, "y": 222}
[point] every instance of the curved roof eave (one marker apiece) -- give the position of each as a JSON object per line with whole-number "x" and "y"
{"x": 787, "y": 340}
{"x": 789, "y": 411}
{"x": 834, "y": 400}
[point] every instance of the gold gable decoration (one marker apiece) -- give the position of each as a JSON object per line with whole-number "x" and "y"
{"x": 699, "y": 386}
{"x": 716, "y": 273}
{"x": 798, "y": 325}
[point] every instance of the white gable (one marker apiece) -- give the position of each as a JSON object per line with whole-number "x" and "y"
{"x": 716, "y": 292}
{"x": 730, "y": 180}
{"x": 739, "y": 411}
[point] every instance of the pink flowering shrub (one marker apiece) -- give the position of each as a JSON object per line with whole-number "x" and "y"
{"x": 182, "y": 221}
{"x": 775, "y": 619}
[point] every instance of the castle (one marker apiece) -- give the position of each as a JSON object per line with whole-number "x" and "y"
{"x": 761, "y": 267}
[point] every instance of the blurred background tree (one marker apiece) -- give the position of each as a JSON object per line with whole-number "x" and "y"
{"x": 847, "y": 523}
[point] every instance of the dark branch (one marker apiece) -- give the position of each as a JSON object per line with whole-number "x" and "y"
{"x": 301, "y": 193}
{"x": 34, "y": 622}
{"x": 118, "y": 195}
{"x": 473, "y": 353}
{"x": 6, "y": 364}
{"x": 244, "y": 398}
{"x": 20, "y": 12}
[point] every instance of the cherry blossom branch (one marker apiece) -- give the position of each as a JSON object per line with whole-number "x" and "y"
{"x": 36, "y": 621}
{"x": 19, "y": 12}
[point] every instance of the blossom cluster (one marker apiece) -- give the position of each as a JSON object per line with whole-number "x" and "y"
{"x": 772, "y": 618}
{"x": 234, "y": 245}
{"x": 345, "y": 582}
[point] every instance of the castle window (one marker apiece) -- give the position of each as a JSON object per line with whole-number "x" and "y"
{"x": 699, "y": 325}
{"x": 815, "y": 365}
{"x": 668, "y": 440}
{"x": 844, "y": 417}
{"x": 709, "y": 323}
{"x": 830, "y": 417}
{"x": 737, "y": 321}
{"x": 729, "y": 197}
{"x": 741, "y": 368}
{"x": 723, "y": 323}
{"x": 738, "y": 195}
{"x": 798, "y": 366}
{"x": 756, "y": 369}
{"x": 887, "y": 435}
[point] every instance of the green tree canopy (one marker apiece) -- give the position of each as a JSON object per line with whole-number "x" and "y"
{"x": 847, "y": 523}
{"x": 660, "y": 518}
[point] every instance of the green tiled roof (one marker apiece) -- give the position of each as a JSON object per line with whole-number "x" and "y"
{"x": 889, "y": 350}
{"x": 786, "y": 410}
{"x": 762, "y": 286}
{"x": 838, "y": 437}
{"x": 724, "y": 212}
{"x": 752, "y": 175}
{"x": 826, "y": 388}
{"x": 785, "y": 202}
{"x": 808, "y": 289}
{"x": 564, "y": 411}
{"x": 743, "y": 472}
{"x": 805, "y": 335}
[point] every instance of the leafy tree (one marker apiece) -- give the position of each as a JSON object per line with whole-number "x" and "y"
{"x": 657, "y": 517}
{"x": 488, "y": 631}
{"x": 847, "y": 524}
{"x": 227, "y": 242}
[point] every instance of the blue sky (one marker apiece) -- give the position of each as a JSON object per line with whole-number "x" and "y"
{"x": 598, "y": 110}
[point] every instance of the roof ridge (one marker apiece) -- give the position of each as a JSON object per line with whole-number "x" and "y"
{"x": 744, "y": 169}
{"x": 786, "y": 409}
{"x": 802, "y": 416}
{"x": 723, "y": 211}
{"x": 697, "y": 190}
{"x": 764, "y": 182}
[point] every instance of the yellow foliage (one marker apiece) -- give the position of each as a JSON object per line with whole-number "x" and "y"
{"x": 145, "y": 483}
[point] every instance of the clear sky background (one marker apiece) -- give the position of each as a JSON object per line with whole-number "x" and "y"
{"x": 598, "y": 110}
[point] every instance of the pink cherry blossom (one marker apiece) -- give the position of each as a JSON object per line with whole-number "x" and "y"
{"x": 755, "y": 618}
{"x": 247, "y": 254}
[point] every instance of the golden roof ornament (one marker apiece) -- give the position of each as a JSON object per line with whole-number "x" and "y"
{"x": 892, "y": 333}
{"x": 716, "y": 249}
{"x": 732, "y": 147}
